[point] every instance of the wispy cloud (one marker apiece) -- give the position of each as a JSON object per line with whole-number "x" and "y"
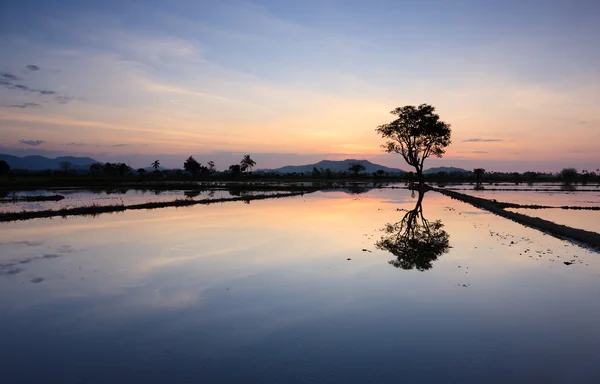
{"x": 76, "y": 144}
{"x": 477, "y": 140}
{"x": 119, "y": 145}
{"x": 24, "y": 88}
{"x": 9, "y": 76}
{"x": 33, "y": 143}
{"x": 32, "y": 67}
{"x": 25, "y": 105}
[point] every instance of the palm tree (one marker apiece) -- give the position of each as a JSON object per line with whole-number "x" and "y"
{"x": 156, "y": 164}
{"x": 247, "y": 163}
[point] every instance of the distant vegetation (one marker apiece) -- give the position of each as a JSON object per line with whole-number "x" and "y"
{"x": 111, "y": 174}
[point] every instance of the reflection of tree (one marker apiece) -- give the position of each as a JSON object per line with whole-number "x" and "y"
{"x": 415, "y": 241}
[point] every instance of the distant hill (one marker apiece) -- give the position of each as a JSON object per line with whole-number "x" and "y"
{"x": 445, "y": 169}
{"x": 40, "y": 163}
{"x": 334, "y": 166}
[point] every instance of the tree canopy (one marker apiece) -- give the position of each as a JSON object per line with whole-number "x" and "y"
{"x": 4, "y": 167}
{"x": 416, "y": 134}
{"x": 356, "y": 168}
{"x": 192, "y": 166}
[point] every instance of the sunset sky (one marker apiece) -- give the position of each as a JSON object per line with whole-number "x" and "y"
{"x": 295, "y": 82}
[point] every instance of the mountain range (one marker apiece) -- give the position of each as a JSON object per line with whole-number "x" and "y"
{"x": 41, "y": 163}
{"x": 334, "y": 166}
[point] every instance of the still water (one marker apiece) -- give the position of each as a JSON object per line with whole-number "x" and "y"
{"x": 295, "y": 290}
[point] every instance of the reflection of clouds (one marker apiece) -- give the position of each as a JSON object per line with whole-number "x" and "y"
{"x": 12, "y": 267}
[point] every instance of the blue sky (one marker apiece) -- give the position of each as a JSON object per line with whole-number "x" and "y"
{"x": 297, "y": 81}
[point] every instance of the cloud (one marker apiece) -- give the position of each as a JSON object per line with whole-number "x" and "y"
{"x": 25, "y": 105}
{"x": 33, "y": 143}
{"x": 9, "y": 76}
{"x": 25, "y": 88}
{"x": 119, "y": 145}
{"x": 65, "y": 99}
{"x": 32, "y": 67}
{"x": 480, "y": 152}
{"x": 76, "y": 144}
{"x": 476, "y": 140}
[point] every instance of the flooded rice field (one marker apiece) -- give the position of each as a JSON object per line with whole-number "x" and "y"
{"x": 553, "y": 199}
{"x": 74, "y": 198}
{"x": 386, "y": 286}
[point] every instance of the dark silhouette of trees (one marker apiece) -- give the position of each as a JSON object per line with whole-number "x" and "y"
{"x": 316, "y": 172}
{"x": 416, "y": 134}
{"x": 247, "y": 163}
{"x": 141, "y": 171}
{"x": 4, "y": 167}
{"x": 122, "y": 169}
{"x": 415, "y": 241}
{"x": 356, "y": 168}
{"x": 192, "y": 166}
{"x": 235, "y": 169}
{"x": 65, "y": 166}
{"x": 569, "y": 175}
{"x": 479, "y": 172}
{"x": 96, "y": 168}
{"x": 156, "y": 165}
{"x": 211, "y": 167}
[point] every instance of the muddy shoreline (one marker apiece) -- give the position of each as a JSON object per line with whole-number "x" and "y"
{"x": 564, "y": 232}
{"x": 93, "y": 210}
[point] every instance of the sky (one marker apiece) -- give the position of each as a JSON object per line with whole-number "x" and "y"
{"x": 295, "y": 82}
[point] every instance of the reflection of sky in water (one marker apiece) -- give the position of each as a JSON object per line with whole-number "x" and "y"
{"x": 78, "y": 198}
{"x": 553, "y": 199}
{"x": 588, "y": 220}
{"x": 264, "y": 293}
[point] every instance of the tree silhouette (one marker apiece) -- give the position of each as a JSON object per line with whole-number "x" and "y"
{"x": 156, "y": 165}
{"x": 569, "y": 175}
{"x": 96, "y": 168}
{"x": 235, "y": 169}
{"x": 247, "y": 163}
{"x": 416, "y": 134}
{"x": 4, "y": 167}
{"x": 211, "y": 167}
{"x": 192, "y": 166}
{"x": 479, "y": 172}
{"x": 122, "y": 169}
{"x": 141, "y": 171}
{"x": 415, "y": 241}
{"x": 65, "y": 166}
{"x": 355, "y": 168}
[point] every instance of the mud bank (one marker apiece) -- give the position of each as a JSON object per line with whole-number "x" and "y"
{"x": 94, "y": 210}
{"x": 581, "y": 236}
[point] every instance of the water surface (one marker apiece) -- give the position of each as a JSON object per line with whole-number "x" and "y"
{"x": 294, "y": 290}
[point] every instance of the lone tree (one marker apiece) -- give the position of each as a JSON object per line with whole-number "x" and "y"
{"x": 247, "y": 163}
{"x": 4, "y": 167}
{"x": 416, "y": 134}
{"x": 569, "y": 175}
{"x": 356, "y": 168}
{"x": 156, "y": 165}
{"x": 192, "y": 166}
{"x": 479, "y": 172}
